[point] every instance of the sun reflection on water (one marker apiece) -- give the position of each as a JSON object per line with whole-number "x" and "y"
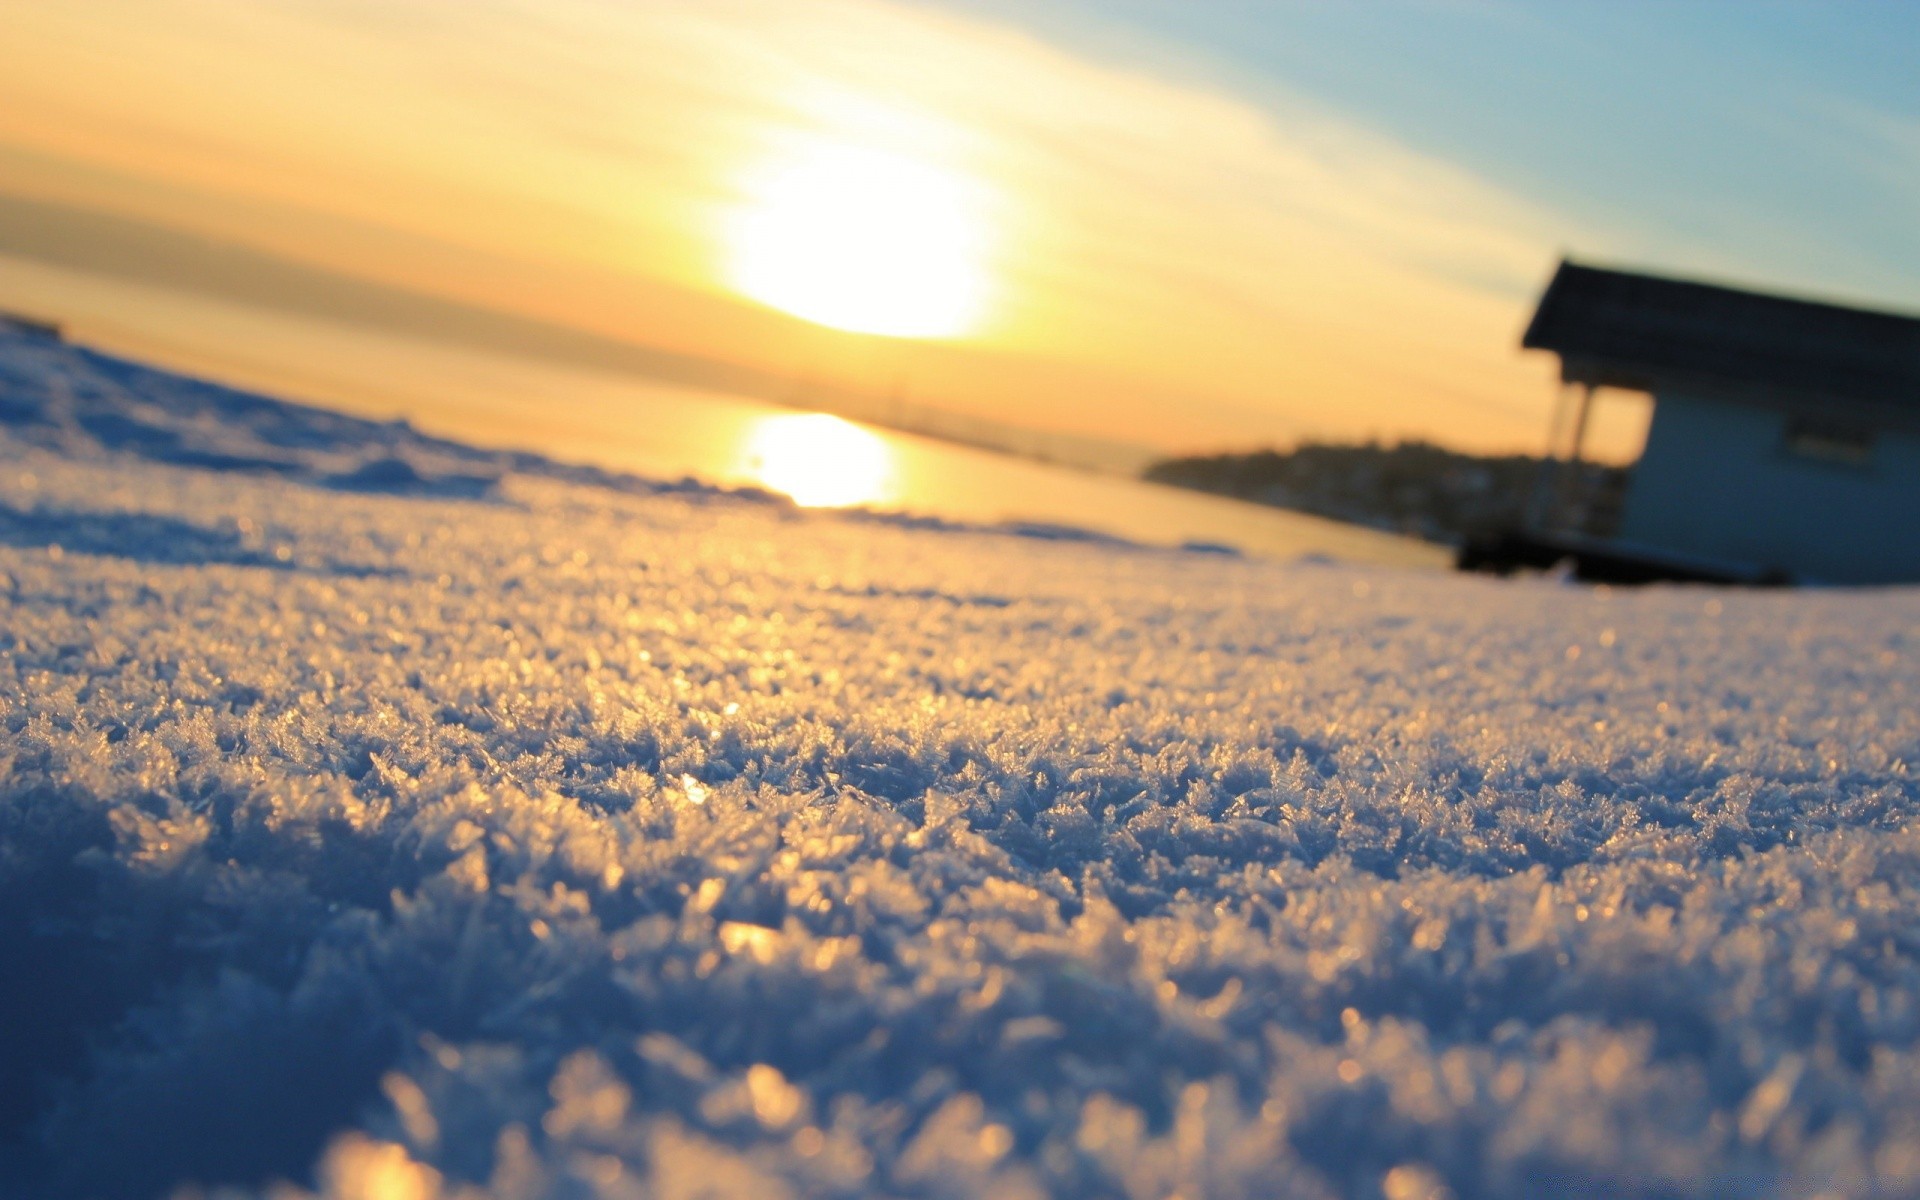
{"x": 821, "y": 461}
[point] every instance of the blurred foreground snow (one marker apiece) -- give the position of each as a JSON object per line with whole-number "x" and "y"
{"x": 409, "y": 821}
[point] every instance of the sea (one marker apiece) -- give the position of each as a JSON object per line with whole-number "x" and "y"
{"x": 656, "y": 429}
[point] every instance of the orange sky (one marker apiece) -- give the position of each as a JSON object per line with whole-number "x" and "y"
{"x": 1162, "y": 262}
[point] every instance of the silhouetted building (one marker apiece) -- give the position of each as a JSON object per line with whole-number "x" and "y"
{"x": 1785, "y": 439}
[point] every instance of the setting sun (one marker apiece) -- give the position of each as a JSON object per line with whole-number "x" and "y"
{"x": 820, "y": 461}
{"x": 863, "y": 240}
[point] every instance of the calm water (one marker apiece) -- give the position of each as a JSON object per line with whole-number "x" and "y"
{"x": 659, "y": 430}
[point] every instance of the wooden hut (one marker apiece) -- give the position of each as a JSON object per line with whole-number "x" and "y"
{"x": 1784, "y": 443}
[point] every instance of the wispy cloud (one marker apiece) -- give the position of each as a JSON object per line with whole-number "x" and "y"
{"x": 1261, "y": 268}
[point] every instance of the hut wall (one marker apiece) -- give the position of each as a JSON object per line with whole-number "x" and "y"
{"x": 1730, "y": 481}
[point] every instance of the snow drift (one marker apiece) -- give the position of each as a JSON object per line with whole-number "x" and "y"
{"x": 403, "y": 820}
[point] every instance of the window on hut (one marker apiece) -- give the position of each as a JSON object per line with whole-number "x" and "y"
{"x": 1824, "y": 440}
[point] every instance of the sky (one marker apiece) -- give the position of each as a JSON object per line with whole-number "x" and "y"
{"x": 1179, "y": 224}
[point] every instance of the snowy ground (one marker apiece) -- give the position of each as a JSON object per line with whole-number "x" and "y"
{"x": 405, "y": 821}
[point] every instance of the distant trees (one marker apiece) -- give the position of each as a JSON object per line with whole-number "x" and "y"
{"x": 1413, "y": 487}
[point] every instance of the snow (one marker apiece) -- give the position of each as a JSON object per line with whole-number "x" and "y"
{"x": 402, "y": 820}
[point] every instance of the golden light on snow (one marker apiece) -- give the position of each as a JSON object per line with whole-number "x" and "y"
{"x": 862, "y": 239}
{"x": 821, "y": 461}
{"x": 359, "y": 1168}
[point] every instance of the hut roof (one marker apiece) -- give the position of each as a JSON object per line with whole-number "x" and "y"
{"x": 1633, "y": 330}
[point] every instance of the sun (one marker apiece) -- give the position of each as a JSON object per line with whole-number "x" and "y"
{"x": 865, "y": 240}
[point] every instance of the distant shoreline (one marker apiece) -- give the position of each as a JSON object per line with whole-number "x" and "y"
{"x": 1415, "y": 489}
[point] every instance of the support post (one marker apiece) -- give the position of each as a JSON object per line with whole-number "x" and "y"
{"x": 1580, "y": 423}
{"x": 1568, "y": 511}
{"x": 1540, "y": 507}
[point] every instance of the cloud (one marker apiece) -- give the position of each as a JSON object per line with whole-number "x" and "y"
{"x": 1260, "y": 267}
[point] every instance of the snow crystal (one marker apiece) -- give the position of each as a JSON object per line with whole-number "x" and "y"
{"x": 407, "y": 821}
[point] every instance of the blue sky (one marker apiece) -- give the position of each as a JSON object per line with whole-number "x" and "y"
{"x": 1770, "y": 143}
